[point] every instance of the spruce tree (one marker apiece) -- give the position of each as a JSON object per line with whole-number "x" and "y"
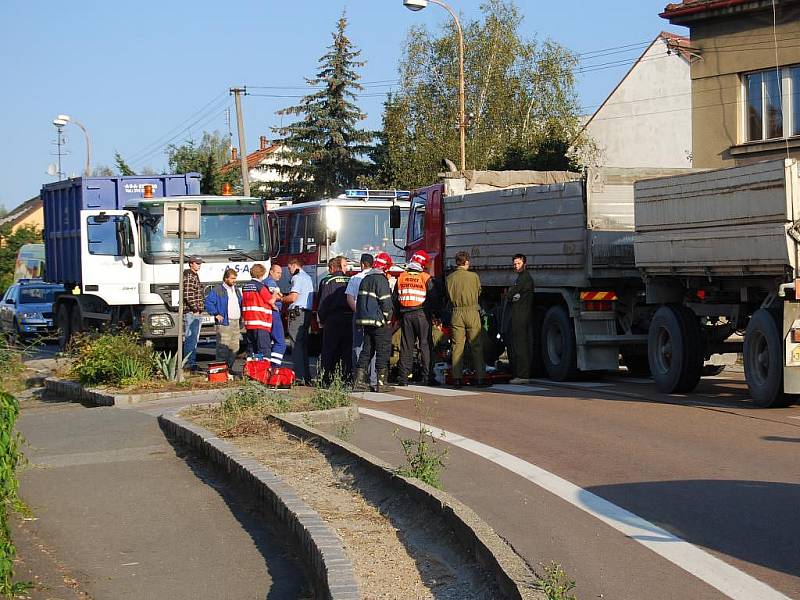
{"x": 324, "y": 149}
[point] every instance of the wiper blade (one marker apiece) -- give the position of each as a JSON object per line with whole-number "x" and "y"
{"x": 236, "y": 252}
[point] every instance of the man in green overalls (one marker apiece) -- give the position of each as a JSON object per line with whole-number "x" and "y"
{"x": 463, "y": 288}
{"x": 521, "y": 297}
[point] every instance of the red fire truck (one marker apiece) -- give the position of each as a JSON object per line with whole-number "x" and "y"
{"x": 351, "y": 224}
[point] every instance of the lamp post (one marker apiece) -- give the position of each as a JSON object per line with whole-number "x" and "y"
{"x": 64, "y": 119}
{"x": 416, "y": 5}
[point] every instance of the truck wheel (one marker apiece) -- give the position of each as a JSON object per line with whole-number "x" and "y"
{"x": 558, "y": 345}
{"x": 63, "y": 323}
{"x": 763, "y": 361}
{"x": 675, "y": 349}
{"x": 76, "y": 321}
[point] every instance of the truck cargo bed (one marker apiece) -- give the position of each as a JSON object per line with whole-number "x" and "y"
{"x": 573, "y": 232}
{"x": 731, "y": 222}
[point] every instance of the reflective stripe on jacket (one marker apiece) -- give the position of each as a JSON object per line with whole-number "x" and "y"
{"x": 256, "y": 309}
{"x": 412, "y": 289}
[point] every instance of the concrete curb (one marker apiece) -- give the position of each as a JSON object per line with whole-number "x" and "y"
{"x": 75, "y": 391}
{"x": 513, "y": 575}
{"x": 319, "y": 545}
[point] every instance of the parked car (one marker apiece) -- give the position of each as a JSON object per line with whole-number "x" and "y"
{"x": 26, "y": 309}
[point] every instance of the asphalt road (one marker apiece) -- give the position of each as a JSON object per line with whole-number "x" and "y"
{"x": 127, "y": 515}
{"x": 708, "y": 468}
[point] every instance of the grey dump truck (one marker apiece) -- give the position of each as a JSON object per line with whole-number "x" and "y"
{"x": 718, "y": 253}
{"x": 662, "y": 271}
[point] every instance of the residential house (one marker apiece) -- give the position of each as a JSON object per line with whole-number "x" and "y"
{"x": 261, "y": 164}
{"x": 646, "y": 120}
{"x": 745, "y": 76}
{"x": 30, "y": 213}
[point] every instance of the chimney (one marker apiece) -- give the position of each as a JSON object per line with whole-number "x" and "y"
{"x": 233, "y": 154}
{"x": 264, "y": 142}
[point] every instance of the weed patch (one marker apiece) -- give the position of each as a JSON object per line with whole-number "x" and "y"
{"x": 555, "y": 584}
{"x": 330, "y": 391}
{"x": 424, "y": 460}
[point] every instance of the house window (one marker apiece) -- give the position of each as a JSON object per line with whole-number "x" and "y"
{"x": 772, "y": 104}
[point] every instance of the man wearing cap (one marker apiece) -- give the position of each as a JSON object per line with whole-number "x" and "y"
{"x": 300, "y": 300}
{"x": 414, "y": 287}
{"x": 351, "y": 294}
{"x": 193, "y": 303}
{"x": 373, "y": 313}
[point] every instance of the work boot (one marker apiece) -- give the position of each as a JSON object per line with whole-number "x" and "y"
{"x": 383, "y": 379}
{"x": 360, "y": 381}
{"x": 484, "y": 383}
{"x": 402, "y": 380}
{"x": 457, "y": 384}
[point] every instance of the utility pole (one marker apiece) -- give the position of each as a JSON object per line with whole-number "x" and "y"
{"x": 237, "y": 93}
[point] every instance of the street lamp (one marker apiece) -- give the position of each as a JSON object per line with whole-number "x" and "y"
{"x": 64, "y": 119}
{"x": 416, "y": 5}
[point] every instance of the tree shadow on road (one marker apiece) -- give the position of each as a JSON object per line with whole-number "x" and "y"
{"x": 754, "y": 521}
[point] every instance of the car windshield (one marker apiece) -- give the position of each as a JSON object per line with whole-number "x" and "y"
{"x": 219, "y": 234}
{"x": 38, "y": 295}
{"x": 367, "y": 230}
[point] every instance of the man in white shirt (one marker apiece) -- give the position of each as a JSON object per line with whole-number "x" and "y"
{"x": 351, "y": 293}
{"x": 300, "y": 299}
{"x": 224, "y": 303}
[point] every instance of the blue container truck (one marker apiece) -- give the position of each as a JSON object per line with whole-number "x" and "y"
{"x": 105, "y": 242}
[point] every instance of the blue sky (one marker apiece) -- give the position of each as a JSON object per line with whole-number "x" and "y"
{"x": 140, "y": 74}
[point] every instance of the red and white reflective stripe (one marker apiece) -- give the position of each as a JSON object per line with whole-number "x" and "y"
{"x": 598, "y": 295}
{"x": 267, "y": 324}
{"x": 256, "y": 308}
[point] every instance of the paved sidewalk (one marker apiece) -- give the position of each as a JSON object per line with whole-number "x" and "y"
{"x": 128, "y": 516}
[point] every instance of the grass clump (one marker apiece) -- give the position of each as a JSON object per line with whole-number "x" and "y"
{"x": 424, "y": 460}
{"x": 11, "y": 358}
{"x": 555, "y": 584}
{"x": 117, "y": 359}
{"x": 244, "y": 411}
{"x": 330, "y": 391}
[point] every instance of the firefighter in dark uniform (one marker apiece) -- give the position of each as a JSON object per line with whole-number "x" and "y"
{"x": 414, "y": 288}
{"x": 336, "y": 318}
{"x": 464, "y": 288}
{"x": 521, "y": 297}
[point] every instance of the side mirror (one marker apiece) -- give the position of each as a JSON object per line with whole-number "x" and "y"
{"x": 10, "y": 301}
{"x": 394, "y": 216}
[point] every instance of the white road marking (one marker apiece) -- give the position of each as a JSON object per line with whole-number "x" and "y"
{"x": 378, "y": 397}
{"x": 519, "y": 389}
{"x": 438, "y": 391}
{"x": 729, "y": 580}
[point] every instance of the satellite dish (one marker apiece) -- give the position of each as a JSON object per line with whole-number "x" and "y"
{"x": 52, "y": 169}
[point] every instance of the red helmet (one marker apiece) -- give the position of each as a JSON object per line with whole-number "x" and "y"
{"x": 421, "y": 258}
{"x": 382, "y": 261}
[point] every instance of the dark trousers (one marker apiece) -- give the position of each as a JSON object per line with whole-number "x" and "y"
{"x": 259, "y": 342}
{"x": 377, "y": 341}
{"x": 416, "y": 329}
{"x": 337, "y": 346}
{"x": 298, "y": 339}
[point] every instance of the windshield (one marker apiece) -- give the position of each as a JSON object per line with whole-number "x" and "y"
{"x": 38, "y": 295}
{"x": 219, "y": 234}
{"x": 367, "y": 230}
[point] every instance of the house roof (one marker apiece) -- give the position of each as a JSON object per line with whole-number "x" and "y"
{"x": 676, "y": 43}
{"x": 22, "y": 211}
{"x": 253, "y": 159}
{"x": 692, "y": 9}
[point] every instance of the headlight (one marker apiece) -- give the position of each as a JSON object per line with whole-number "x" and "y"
{"x": 161, "y": 321}
{"x": 30, "y": 315}
{"x": 333, "y": 218}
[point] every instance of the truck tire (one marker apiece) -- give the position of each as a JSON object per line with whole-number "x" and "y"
{"x": 559, "y": 351}
{"x": 763, "y": 361}
{"x": 675, "y": 349}
{"x": 76, "y": 321}
{"x": 64, "y": 326}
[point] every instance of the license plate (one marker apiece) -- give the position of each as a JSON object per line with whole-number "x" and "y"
{"x": 207, "y": 320}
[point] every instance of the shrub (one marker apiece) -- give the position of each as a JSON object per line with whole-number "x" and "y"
{"x": 112, "y": 358}
{"x": 331, "y": 391}
{"x": 167, "y": 365}
{"x": 10, "y": 459}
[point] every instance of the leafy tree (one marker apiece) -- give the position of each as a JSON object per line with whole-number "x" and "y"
{"x": 122, "y": 167}
{"x": 325, "y": 151}
{"x": 520, "y": 99}
{"x": 206, "y": 158}
{"x": 102, "y": 171}
{"x": 10, "y": 243}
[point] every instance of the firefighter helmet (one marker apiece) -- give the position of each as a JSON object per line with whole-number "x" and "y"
{"x": 383, "y": 261}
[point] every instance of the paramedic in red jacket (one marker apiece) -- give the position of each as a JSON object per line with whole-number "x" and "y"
{"x": 257, "y": 306}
